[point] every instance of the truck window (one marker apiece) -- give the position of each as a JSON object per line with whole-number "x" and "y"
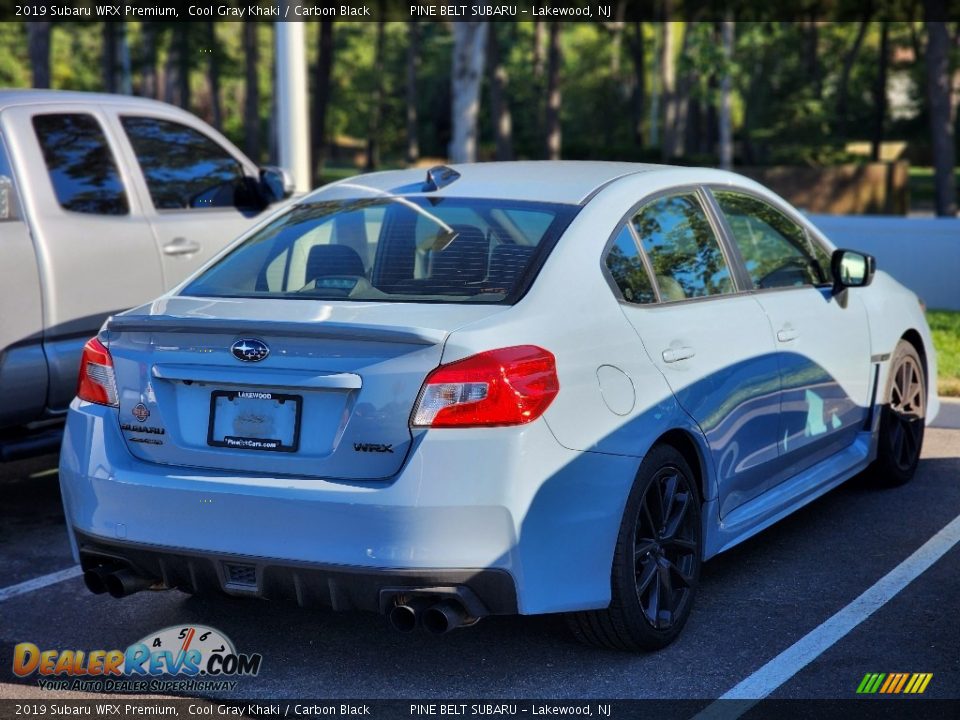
{"x": 184, "y": 169}
{"x": 9, "y": 207}
{"x": 81, "y": 166}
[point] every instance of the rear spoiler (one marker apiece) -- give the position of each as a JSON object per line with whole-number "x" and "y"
{"x": 320, "y": 330}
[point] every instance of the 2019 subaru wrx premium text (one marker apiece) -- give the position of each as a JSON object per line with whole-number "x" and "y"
{"x": 500, "y": 388}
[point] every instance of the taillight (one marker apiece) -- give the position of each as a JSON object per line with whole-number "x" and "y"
{"x": 510, "y": 386}
{"x": 97, "y": 381}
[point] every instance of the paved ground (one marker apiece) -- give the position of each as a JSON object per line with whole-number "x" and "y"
{"x": 755, "y": 601}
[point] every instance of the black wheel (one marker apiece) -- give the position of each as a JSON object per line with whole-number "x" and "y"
{"x": 902, "y": 418}
{"x": 656, "y": 565}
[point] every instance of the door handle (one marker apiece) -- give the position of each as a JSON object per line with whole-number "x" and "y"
{"x": 672, "y": 355}
{"x": 181, "y": 246}
{"x": 787, "y": 334}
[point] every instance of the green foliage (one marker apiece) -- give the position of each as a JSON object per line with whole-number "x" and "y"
{"x": 788, "y": 83}
{"x": 945, "y": 326}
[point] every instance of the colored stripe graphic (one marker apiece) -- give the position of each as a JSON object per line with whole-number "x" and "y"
{"x": 894, "y": 683}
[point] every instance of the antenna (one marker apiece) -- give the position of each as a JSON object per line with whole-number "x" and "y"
{"x": 439, "y": 176}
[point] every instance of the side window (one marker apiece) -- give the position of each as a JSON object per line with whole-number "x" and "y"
{"x": 626, "y": 267}
{"x": 185, "y": 169}
{"x": 683, "y": 249}
{"x": 81, "y": 166}
{"x": 775, "y": 249}
{"x": 9, "y": 206}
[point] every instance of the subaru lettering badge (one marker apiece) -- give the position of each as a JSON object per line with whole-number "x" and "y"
{"x": 249, "y": 350}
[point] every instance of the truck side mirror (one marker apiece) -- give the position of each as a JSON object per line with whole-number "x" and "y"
{"x": 275, "y": 183}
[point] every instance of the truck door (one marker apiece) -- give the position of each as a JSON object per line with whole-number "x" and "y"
{"x": 23, "y": 369}
{"x": 200, "y": 195}
{"x": 96, "y": 254}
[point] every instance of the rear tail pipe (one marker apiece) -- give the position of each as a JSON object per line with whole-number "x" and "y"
{"x": 96, "y": 579}
{"x": 126, "y": 582}
{"x": 444, "y": 616}
{"x": 405, "y": 615}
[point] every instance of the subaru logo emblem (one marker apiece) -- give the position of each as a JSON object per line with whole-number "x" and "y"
{"x": 249, "y": 350}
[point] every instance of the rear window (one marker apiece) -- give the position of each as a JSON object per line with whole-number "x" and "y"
{"x": 392, "y": 249}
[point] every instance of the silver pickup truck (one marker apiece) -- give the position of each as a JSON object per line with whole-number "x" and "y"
{"x": 105, "y": 202}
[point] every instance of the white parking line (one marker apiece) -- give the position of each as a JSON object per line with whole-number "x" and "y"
{"x": 40, "y": 582}
{"x": 796, "y": 657}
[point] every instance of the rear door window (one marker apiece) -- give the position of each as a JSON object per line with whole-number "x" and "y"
{"x": 625, "y": 265}
{"x": 186, "y": 170}
{"x": 80, "y": 163}
{"x": 683, "y": 249}
{"x": 392, "y": 249}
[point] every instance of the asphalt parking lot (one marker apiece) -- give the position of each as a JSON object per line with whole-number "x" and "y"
{"x": 755, "y": 602}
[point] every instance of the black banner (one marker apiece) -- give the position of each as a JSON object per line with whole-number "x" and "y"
{"x": 853, "y": 709}
{"x": 599, "y": 11}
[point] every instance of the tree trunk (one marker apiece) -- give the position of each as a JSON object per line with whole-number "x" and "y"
{"x": 938, "y": 99}
{"x": 38, "y": 44}
{"x": 681, "y": 101}
{"x": 499, "y": 97}
{"x": 126, "y": 73}
{"x": 183, "y": 61}
{"x": 110, "y": 57}
{"x": 413, "y": 63}
{"x": 639, "y": 82}
{"x": 653, "y": 139}
{"x": 725, "y": 139}
{"x": 170, "y": 72}
{"x": 321, "y": 96}
{"x": 553, "y": 130}
{"x": 616, "y": 38}
{"x": 538, "y": 50}
{"x": 469, "y": 45}
{"x": 213, "y": 75}
{"x": 668, "y": 71}
{"x": 812, "y": 56}
{"x": 843, "y": 88}
{"x": 376, "y": 114}
{"x": 880, "y": 93}
{"x": 251, "y": 100}
{"x": 149, "y": 87}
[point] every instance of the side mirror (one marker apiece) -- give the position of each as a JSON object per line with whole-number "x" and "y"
{"x": 850, "y": 268}
{"x": 275, "y": 183}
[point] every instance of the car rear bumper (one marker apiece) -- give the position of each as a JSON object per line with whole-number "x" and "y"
{"x": 525, "y": 524}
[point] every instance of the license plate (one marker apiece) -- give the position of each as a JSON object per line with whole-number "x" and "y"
{"x": 254, "y": 420}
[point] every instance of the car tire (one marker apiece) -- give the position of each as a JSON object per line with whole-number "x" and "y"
{"x": 900, "y": 437}
{"x": 657, "y": 553}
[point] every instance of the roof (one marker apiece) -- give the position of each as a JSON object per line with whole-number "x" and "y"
{"x": 560, "y": 181}
{"x": 49, "y": 97}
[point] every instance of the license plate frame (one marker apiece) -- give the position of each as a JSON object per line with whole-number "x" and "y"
{"x": 252, "y": 442}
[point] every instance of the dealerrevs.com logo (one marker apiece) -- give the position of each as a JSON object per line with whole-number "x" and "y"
{"x": 184, "y": 658}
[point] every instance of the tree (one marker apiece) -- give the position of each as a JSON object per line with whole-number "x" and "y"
{"x": 148, "y": 61}
{"x": 469, "y": 44}
{"x": 321, "y": 96}
{"x": 213, "y": 75}
{"x": 110, "y": 57}
{"x": 38, "y": 45}
{"x": 668, "y": 85}
{"x": 940, "y": 110}
{"x": 251, "y": 99}
{"x": 553, "y": 130}
{"x": 376, "y": 113}
{"x": 413, "y": 63}
{"x": 499, "y": 98}
{"x": 725, "y": 140}
{"x": 843, "y": 86}
{"x": 880, "y": 92}
{"x": 635, "y": 40}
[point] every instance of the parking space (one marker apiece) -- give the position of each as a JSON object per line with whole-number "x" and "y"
{"x": 756, "y": 601}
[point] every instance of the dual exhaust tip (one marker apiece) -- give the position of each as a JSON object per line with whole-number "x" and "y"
{"x": 118, "y": 582}
{"x": 435, "y": 617}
